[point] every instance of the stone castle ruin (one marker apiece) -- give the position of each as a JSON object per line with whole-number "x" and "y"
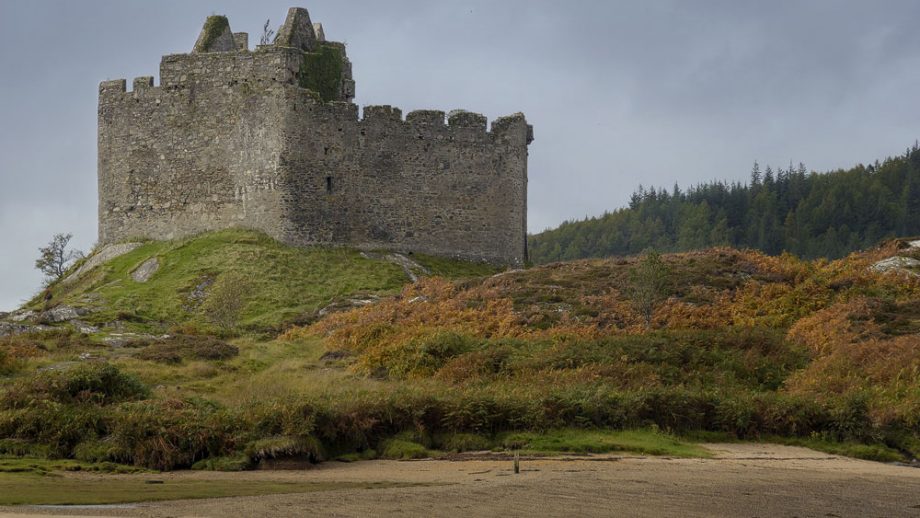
{"x": 269, "y": 139}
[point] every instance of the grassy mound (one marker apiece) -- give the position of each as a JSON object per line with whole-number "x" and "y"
{"x": 278, "y": 284}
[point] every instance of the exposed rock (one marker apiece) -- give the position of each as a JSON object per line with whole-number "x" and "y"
{"x": 507, "y": 272}
{"x": 121, "y": 339}
{"x": 409, "y": 266}
{"x": 105, "y": 254}
{"x": 420, "y": 298}
{"x": 201, "y": 290}
{"x": 60, "y": 366}
{"x": 62, "y": 314}
{"x": 901, "y": 264}
{"x": 9, "y": 328}
{"x": 913, "y": 244}
{"x": 22, "y": 316}
{"x": 143, "y": 272}
{"x": 347, "y": 304}
{"x": 84, "y": 328}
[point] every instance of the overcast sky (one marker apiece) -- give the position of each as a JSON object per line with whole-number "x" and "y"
{"x": 619, "y": 93}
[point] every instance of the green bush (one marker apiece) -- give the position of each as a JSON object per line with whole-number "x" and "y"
{"x": 176, "y": 348}
{"x": 92, "y": 383}
{"x": 285, "y": 447}
{"x": 54, "y": 425}
{"x": 8, "y": 364}
{"x": 169, "y": 434}
{"x": 400, "y": 449}
{"x": 460, "y": 442}
{"x": 98, "y": 451}
{"x": 229, "y": 463}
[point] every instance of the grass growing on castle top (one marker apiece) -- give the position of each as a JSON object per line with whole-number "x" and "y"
{"x": 214, "y": 26}
{"x": 321, "y": 72}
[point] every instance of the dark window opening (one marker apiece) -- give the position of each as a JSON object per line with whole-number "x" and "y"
{"x": 328, "y": 184}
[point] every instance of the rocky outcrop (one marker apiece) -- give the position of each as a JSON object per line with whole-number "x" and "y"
{"x": 412, "y": 268}
{"x": 105, "y": 254}
{"x": 907, "y": 265}
{"x": 143, "y": 272}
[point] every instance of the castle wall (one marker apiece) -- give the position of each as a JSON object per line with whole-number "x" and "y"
{"x": 230, "y": 139}
{"x": 197, "y": 153}
{"x": 418, "y": 184}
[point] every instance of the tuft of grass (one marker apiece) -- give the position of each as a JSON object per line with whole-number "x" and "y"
{"x": 455, "y": 269}
{"x": 369, "y": 454}
{"x": 285, "y": 447}
{"x": 460, "y": 442}
{"x": 228, "y": 463}
{"x": 648, "y": 442}
{"x": 403, "y": 449}
{"x": 877, "y": 452}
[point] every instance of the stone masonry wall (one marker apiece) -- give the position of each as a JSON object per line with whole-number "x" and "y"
{"x": 230, "y": 139}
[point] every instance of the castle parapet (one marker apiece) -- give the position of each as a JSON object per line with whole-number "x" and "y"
{"x": 114, "y": 86}
{"x": 465, "y": 119}
{"x": 143, "y": 83}
{"x": 429, "y": 118}
{"x": 241, "y": 40}
{"x": 513, "y": 127}
{"x": 382, "y": 113}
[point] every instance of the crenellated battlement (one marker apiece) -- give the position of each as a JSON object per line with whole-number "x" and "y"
{"x": 269, "y": 138}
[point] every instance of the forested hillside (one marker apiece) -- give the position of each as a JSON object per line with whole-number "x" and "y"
{"x": 806, "y": 213}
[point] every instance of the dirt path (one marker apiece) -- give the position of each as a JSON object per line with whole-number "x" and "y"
{"x": 743, "y": 480}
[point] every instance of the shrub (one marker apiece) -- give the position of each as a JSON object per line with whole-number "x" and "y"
{"x": 176, "y": 348}
{"x": 226, "y": 300}
{"x": 228, "y": 463}
{"x": 401, "y": 449}
{"x": 460, "y": 442}
{"x": 285, "y": 447}
{"x": 172, "y": 433}
{"x": 94, "y": 383}
{"x": 98, "y": 451}
{"x": 53, "y": 425}
{"x": 8, "y": 364}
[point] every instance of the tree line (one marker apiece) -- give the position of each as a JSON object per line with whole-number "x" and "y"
{"x": 779, "y": 210}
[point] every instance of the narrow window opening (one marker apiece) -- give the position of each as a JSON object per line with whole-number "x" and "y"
{"x": 328, "y": 185}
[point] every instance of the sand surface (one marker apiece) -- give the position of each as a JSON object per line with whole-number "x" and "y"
{"x": 747, "y": 480}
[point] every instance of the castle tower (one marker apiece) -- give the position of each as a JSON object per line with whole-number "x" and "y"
{"x": 269, "y": 139}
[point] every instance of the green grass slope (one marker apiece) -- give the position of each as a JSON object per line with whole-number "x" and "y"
{"x": 283, "y": 284}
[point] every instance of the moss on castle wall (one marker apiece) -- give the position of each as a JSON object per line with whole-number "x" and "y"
{"x": 321, "y": 72}
{"x": 214, "y": 26}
